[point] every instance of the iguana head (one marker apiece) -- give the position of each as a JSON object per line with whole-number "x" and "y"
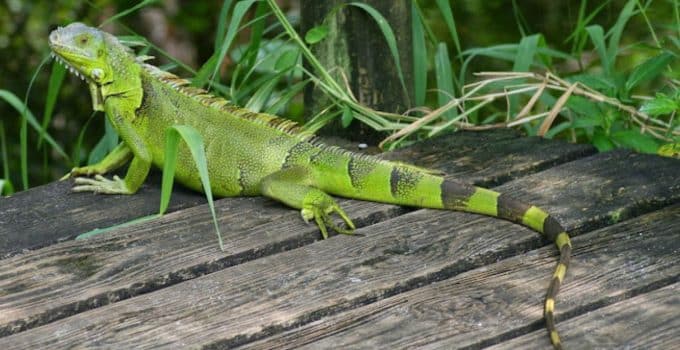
{"x": 83, "y": 50}
{"x": 97, "y": 57}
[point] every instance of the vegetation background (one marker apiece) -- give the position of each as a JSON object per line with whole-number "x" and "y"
{"x": 622, "y": 53}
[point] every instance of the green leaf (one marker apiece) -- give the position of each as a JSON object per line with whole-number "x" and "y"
{"x": 660, "y": 105}
{"x": 76, "y": 156}
{"x": 14, "y": 101}
{"x": 587, "y": 121}
{"x": 635, "y": 140}
{"x": 256, "y": 32}
{"x": 616, "y": 31}
{"x": 556, "y": 129}
{"x": 597, "y": 82}
{"x": 447, "y": 14}
{"x": 583, "y": 107}
{"x": 648, "y": 70}
{"x": 259, "y": 99}
{"x": 602, "y": 142}
{"x": 194, "y": 142}
{"x": 526, "y": 51}
{"x": 596, "y": 34}
{"x": 56, "y": 78}
{"x": 98, "y": 231}
{"x": 444, "y": 76}
{"x": 222, "y": 23}
{"x": 286, "y": 97}
{"x": 3, "y": 151}
{"x": 212, "y": 66}
{"x": 347, "y": 116}
{"x": 5, "y": 187}
{"x": 287, "y": 60}
{"x": 316, "y": 34}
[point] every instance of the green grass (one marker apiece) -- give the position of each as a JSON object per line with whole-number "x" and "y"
{"x": 622, "y": 93}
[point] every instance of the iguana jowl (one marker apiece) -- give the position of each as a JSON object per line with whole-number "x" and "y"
{"x": 258, "y": 154}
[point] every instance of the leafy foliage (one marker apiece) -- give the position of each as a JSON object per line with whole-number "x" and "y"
{"x": 600, "y": 82}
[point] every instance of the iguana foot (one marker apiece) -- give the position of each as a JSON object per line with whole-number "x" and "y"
{"x": 101, "y": 184}
{"x": 319, "y": 206}
{"x": 85, "y": 170}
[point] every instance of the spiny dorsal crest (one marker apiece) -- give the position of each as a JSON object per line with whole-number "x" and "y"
{"x": 184, "y": 86}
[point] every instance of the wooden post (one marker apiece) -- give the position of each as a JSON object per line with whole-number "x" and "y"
{"x": 357, "y": 48}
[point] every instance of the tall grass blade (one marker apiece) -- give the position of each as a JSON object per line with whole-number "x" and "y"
{"x": 222, "y": 23}
{"x": 648, "y": 70}
{"x": 16, "y": 103}
{"x": 194, "y": 142}
{"x": 9, "y": 189}
{"x": 447, "y": 13}
{"x": 259, "y": 99}
{"x": 56, "y": 78}
{"x": 240, "y": 10}
{"x": 128, "y": 11}
{"x": 445, "y": 90}
{"x": 76, "y": 156}
{"x": 596, "y": 34}
{"x": 617, "y": 30}
{"x": 526, "y": 52}
{"x": 99, "y": 231}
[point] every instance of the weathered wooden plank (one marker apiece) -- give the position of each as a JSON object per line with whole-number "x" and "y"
{"x": 496, "y": 302}
{"x": 647, "y": 321}
{"x": 477, "y": 157}
{"x": 269, "y": 294}
{"x": 52, "y": 213}
{"x": 251, "y": 231}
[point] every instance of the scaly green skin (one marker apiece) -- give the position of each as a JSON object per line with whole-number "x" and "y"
{"x": 257, "y": 154}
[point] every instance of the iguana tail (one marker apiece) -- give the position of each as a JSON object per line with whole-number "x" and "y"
{"x": 412, "y": 186}
{"x": 487, "y": 202}
{"x": 365, "y": 178}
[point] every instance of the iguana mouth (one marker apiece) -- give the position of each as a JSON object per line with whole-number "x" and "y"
{"x": 68, "y": 66}
{"x": 58, "y": 50}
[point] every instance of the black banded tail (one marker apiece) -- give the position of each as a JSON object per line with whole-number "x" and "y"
{"x": 459, "y": 196}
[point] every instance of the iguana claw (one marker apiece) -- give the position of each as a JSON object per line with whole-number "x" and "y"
{"x": 101, "y": 184}
{"x": 321, "y": 214}
{"x": 85, "y": 170}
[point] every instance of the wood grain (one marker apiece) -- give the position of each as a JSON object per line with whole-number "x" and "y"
{"x": 258, "y": 298}
{"x": 145, "y": 257}
{"x": 52, "y": 213}
{"x": 647, "y": 321}
{"x": 494, "y": 303}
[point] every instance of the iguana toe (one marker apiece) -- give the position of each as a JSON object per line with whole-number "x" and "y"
{"x": 100, "y": 184}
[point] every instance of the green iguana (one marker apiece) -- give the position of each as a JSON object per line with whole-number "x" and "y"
{"x": 258, "y": 154}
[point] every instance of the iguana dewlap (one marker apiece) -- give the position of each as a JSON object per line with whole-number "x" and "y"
{"x": 258, "y": 154}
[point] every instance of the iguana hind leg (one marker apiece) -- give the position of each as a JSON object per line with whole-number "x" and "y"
{"x": 294, "y": 187}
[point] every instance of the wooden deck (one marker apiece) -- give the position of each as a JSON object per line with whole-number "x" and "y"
{"x": 411, "y": 278}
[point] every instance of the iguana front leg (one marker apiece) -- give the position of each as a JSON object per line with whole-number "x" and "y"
{"x": 294, "y": 187}
{"x": 121, "y": 118}
{"x": 114, "y": 160}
